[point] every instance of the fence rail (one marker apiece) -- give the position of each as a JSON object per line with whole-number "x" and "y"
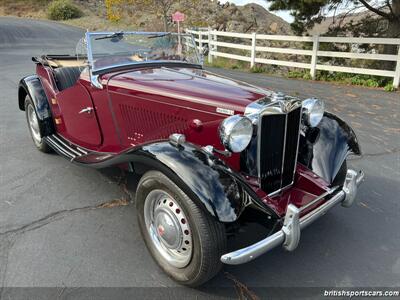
{"x": 249, "y": 43}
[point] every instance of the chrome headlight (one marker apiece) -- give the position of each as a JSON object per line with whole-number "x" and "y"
{"x": 313, "y": 110}
{"x": 235, "y": 133}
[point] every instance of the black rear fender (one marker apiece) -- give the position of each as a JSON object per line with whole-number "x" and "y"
{"x": 32, "y": 86}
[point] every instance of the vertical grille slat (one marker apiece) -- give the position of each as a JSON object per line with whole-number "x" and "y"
{"x": 278, "y": 146}
{"x": 291, "y": 147}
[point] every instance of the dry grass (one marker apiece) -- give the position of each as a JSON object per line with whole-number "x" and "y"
{"x": 36, "y": 9}
{"x": 114, "y": 203}
{"x": 24, "y": 8}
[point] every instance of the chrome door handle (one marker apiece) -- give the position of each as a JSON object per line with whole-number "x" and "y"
{"x": 87, "y": 110}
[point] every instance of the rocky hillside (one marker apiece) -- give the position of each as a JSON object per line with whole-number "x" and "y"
{"x": 341, "y": 20}
{"x": 248, "y": 18}
{"x": 203, "y": 13}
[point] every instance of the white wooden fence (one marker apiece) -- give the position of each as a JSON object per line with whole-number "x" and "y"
{"x": 250, "y": 40}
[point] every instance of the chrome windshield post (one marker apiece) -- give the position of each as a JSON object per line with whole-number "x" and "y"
{"x": 94, "y": 79}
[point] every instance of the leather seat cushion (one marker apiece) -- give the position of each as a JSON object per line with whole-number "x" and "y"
{"x": 66, "y": 76}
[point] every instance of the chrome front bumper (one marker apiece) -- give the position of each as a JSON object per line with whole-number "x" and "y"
{"x": 289, "y": 235}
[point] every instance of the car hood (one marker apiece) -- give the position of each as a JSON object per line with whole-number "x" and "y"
{"x": 187, "y": 84}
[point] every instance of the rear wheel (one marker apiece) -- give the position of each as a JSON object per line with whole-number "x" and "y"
{"x": 34, "y": 126}
{"x": 184, "y": 240}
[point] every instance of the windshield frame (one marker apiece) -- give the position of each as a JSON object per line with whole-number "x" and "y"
{"x": 93, "y": 71}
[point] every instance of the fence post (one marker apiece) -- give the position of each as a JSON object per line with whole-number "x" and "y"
{"x": 314, "y": 56}
{"x": 210, "y": 58}
{"x": 200, "y": 42}
{"x": 396, "y": 79}
{"x": 253, "y": 49}
{"x": 215, "y": 39}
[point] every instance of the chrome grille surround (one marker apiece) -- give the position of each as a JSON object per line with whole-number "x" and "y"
{"x": 276, "y": 108}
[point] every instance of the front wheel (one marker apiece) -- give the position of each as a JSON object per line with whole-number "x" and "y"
{"x": 184, "y": 240}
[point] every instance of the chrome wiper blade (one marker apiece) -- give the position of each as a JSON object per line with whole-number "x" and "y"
{"x": 158, "y": 35}
{"x": 116, "y": 35}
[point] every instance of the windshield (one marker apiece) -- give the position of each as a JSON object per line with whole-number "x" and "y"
{"x": 110, "y": 49}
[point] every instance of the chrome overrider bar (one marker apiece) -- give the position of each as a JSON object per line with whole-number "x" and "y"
{"x": 289, "y": 235}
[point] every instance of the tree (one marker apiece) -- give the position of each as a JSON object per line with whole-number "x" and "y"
{"x": 306, "y": 13}
{"x": 162, "y": 8}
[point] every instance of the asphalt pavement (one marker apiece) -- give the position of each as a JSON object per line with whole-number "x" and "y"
{"x": 54, "y": 234}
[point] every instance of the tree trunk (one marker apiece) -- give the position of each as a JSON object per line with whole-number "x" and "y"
{"x": 394, "y": 23}
{"x": 165, "y": 17}
{"x": 393, "y": 31}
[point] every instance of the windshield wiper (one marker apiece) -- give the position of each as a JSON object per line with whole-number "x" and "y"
{"x": 116, "y": 36}
{"x": 158, "y": 35}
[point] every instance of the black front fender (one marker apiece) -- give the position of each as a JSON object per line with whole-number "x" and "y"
{"x": 32, "y": 86}
{"x": 201, "y": 175}
{"x": 323, "y": 149}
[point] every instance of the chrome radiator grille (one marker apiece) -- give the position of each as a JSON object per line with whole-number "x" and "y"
{"x": 277, "y": 149}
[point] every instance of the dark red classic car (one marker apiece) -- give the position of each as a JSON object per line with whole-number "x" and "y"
{"x": 213, "y": 153}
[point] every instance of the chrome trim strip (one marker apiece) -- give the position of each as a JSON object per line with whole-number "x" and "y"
{"x": 319, "y": 198}
{"x": 278, "y": 238}
{"x": 298, "y": 142}
{"x": 81, "y": 150}
{"x": 65, "y": 145}
{"x": 56, "y": 147}
{"x": 284, "y": 150}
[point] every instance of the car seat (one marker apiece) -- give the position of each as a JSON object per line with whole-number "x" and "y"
{"x": 66, "y": 76}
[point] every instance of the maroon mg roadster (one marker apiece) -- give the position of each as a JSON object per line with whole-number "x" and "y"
{"x": 212, "y": 153}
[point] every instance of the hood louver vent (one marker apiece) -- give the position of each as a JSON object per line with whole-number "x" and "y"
{"x": 144, "y": 125}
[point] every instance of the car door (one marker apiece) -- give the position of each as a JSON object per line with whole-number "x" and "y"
{"x": 78, "y": 116}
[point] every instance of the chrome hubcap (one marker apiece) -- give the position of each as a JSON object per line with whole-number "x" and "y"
{"x": 34, "y": 125}
{"x": 168, "y": 228}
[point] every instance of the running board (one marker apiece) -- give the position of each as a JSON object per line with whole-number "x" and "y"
{"x": 64, "y": 148}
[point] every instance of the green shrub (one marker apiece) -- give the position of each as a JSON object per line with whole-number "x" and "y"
{"x": 63, "y": 10}
{"x": 295, "y": 74}
{"x": 389, "y": 88}
{"x": 353, "y": 79}
{"x": 307, "y": 76}
{"x": 258, "y": 69}
{"x": 372, "y": 83}
{"x": 226, "y": 63}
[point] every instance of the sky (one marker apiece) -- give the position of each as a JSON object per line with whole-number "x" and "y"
{"x": 283, "y": 14}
